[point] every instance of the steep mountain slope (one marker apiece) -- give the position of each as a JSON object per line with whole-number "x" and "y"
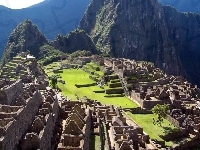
{"x": 183, "y": 5}
{"x": 52, "y": 17}
{"x": 27, "y": 36}
{"x": 75, "y": 40}
{"x": 146, "y": 30}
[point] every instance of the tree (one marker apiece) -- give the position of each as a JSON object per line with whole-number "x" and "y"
{"x": 54, "y": 80}
{"x": 161, "y": 112}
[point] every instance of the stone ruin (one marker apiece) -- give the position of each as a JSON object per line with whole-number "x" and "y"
{"x": 121, "y": 132}
{"x": 27, "y": 119}
{"x": 76, "y": 129}
{"x": 150, "y": 86}
{"x": 34, "y": 116}
{"x": 23, "y": 66}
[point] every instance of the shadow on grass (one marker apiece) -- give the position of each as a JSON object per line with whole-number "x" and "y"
{"x": 92, "y": 142}
{"x": 114, "y": 95}
{"x": 168, "y": 130}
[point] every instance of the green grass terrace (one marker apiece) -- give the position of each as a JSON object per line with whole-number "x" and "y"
{"x": 78, "y": 76}
{"x": 153, "y": 130}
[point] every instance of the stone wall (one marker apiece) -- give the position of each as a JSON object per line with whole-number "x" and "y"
{"x": 115, "y": 91}
{"x": 151, "y": 103}
{"x": 24, "y": 119}
{"x": 146, "y": 104}
{"x": 87, "y": 131}
{"x": 84, "y": 85}
{"x": 173, "y": 121}
{"x": 46, "y": 137}
{"x": 8, "y": 93}
{"x": 138, "y": 110}
{"x": 174, "y": 135}
{"x": 115, "y": 85}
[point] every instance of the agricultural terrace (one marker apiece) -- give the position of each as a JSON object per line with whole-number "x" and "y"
{"x": 80, "y": 77}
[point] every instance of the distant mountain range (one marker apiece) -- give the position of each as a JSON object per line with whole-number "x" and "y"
{"x": 52, "y": 17}
{"x": 183, "y": 5}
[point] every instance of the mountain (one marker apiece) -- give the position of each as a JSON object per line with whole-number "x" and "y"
{"x": 75, "y": 40}
{"x": 51, "y": 16}
{"x": 183, "y": 5}
{"x": 27, "y": 36}
{"x": 146, "y": 30}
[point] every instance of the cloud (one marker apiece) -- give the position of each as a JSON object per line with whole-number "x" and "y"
{"x": 19, "y": 4}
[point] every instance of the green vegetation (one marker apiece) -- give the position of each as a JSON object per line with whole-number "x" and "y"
{"x": 80, "y": 53}
{"x": 54, "y": 80}
{"x": 154, "y": 130}
{"x": 49, "y": 68}
{"x": 75, "y": 76}
{"x": 48, "y": 54}
{"x": 95, "y": 70}
{"x": 80, "y": 77}
{"x": 161, "y": 112}
{"x": 95, "y": 142}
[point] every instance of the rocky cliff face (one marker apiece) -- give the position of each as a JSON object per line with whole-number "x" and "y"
{"x": 75, "y": 40}
{"x": 146, "y": 30}
{"x": 25, "y": 36}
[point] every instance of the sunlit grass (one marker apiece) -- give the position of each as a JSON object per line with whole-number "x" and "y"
{"x": 78, "y": 76}
{"x": 153, "y": 130}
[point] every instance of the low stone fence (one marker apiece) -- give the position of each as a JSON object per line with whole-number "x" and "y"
{"x": 112, "y": 77}
{"x": 85, "y": 85}
{"x": 102, "y": 91}
{"x": 57, "y": 71}
{"x": 115, "y": 95}
{"x": 174, "y": 135}
{"x": 138, "y": 110}
{"x": 173, "y": 121}
{"x": 115, "y": 81}
{"x": 115, "y": 85}
{"x": 149, "y": 104}
{"x": 115, "y": 91}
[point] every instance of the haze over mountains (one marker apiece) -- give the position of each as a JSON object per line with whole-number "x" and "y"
{"x": 52, "y": 17}
{"x": 183, "y": 5}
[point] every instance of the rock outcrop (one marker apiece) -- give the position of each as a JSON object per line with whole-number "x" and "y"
{"x": 146, "y": 30}
{"x": 75, "y": 40}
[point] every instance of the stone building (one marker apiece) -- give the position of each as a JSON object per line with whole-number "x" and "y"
{"x": 76, "y": 128}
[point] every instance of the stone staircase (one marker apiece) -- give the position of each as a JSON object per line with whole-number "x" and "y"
{"x": 124, "y": 85}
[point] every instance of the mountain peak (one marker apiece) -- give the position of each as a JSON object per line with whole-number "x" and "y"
{"x": 26, "y": 36}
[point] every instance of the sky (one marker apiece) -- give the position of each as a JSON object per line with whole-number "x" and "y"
{"x": 19, "y": 4}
